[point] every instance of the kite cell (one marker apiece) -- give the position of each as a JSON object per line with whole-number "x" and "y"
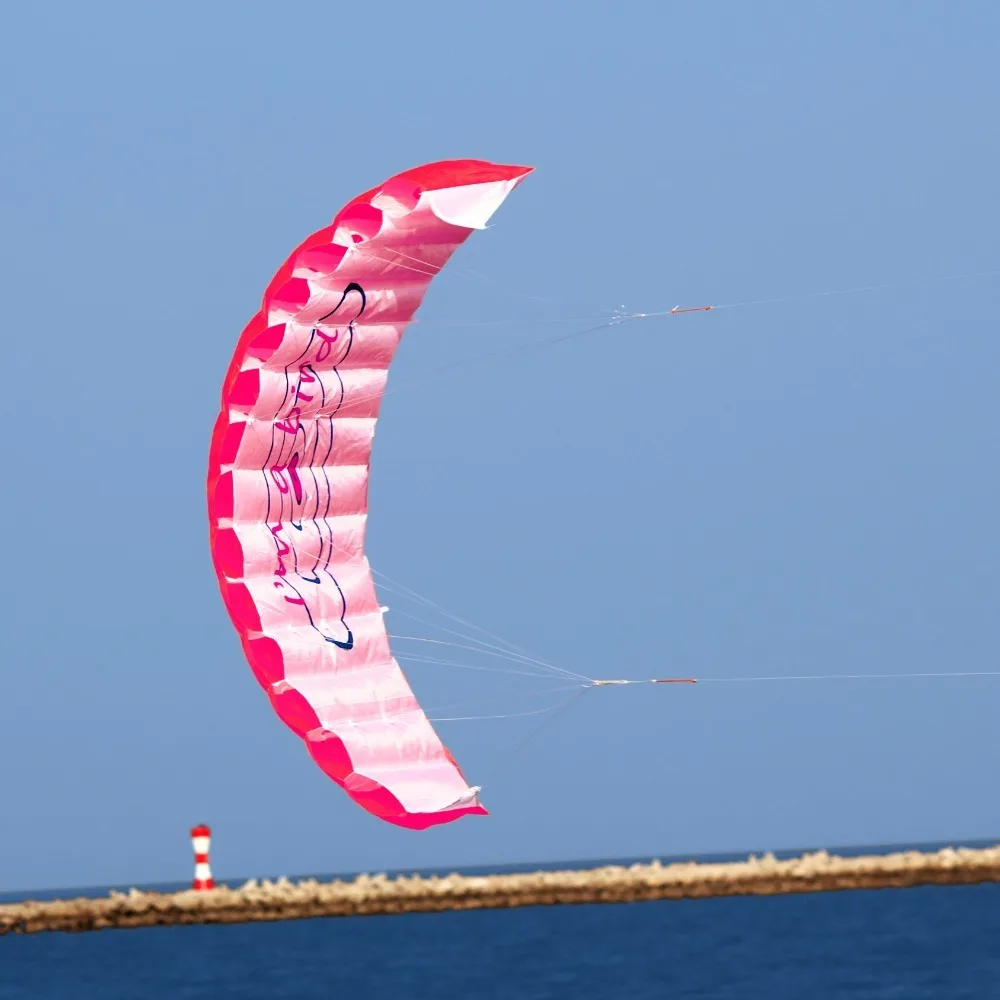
{"x": 288, "y": 485}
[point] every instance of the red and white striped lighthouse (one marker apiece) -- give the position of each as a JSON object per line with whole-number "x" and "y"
{"x": 201, "y": 839}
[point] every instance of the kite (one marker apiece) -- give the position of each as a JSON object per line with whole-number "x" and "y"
{"x": 288, "y": 485}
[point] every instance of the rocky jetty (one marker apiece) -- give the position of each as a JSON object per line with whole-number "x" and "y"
{"x": 382, "y": 894}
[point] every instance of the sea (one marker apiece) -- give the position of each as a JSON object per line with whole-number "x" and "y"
{"x": 933, "y": 943}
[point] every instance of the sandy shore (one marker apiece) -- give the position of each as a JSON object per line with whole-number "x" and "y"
{"x": 379, "y": 894}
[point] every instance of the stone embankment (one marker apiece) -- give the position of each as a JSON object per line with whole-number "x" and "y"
{"x": 380, "y": 894}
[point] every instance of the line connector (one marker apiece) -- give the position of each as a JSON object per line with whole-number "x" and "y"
{"x": 653, "y": 680}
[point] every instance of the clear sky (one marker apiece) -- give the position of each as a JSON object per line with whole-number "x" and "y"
{"x": 806, "y": 487}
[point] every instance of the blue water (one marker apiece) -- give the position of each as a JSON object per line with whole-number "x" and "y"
{"x": 940, "y": 943}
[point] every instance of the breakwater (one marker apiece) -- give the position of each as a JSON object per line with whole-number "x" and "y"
{"x": 380, "y": 894}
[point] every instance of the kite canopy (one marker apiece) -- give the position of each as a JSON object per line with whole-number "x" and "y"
{"x": 288, "y": 485}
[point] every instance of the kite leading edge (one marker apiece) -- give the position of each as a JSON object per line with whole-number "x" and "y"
{"x": 288, "y": 485}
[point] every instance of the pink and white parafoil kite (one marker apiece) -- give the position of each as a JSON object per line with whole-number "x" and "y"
{"x": 288, "y": 485}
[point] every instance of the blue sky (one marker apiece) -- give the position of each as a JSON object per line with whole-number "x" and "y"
{"x": 805, "y": 487}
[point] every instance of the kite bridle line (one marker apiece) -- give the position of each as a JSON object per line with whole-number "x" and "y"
{"x": 618, "y": 318}
{"x": 576, "y": 684}
{"x": 774, "y": 300}
{"x": 531, "y": 665}
{"x": 524, "y": 663}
